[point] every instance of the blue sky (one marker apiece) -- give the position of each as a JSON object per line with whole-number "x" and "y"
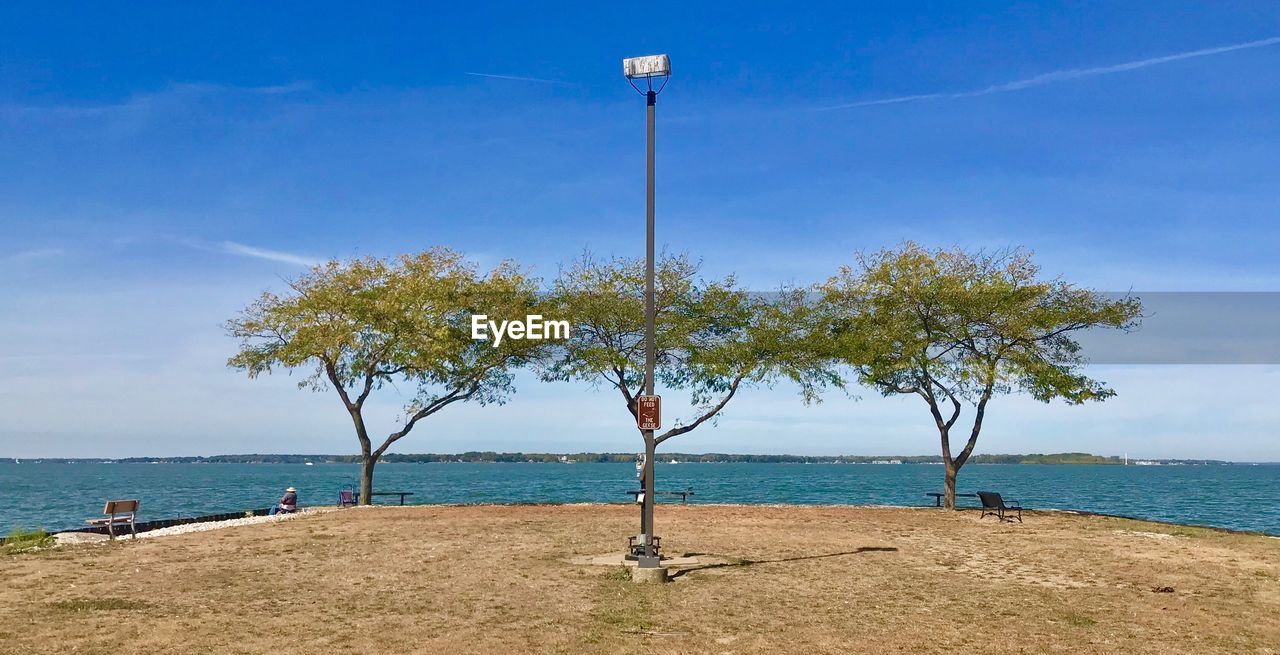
{"x": 160, "y": 166}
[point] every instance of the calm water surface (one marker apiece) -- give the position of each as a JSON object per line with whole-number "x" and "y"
{"x": 60, "y": 496}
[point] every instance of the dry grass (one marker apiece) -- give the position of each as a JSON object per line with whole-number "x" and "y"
{"x": 790, "y": 579}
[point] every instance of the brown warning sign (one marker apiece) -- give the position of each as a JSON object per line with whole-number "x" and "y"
{"x": 649, "y": 412}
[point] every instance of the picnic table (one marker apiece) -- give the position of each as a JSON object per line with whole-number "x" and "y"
{"x": 401, "y": 494}
{"x": 938, "y": 496}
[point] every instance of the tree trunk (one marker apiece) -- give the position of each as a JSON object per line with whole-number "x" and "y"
{"x": 949, "y": 484}
{"x": 367, "y": 457}
{"x": 366, "y": 478}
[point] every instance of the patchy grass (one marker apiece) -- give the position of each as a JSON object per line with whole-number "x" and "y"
{"x": 619, "y": 574}
{"x": 1080, "y": 620}
{"x": 97, "y": 604}
{"x": 498, "y": 579}
{"x": 626, "y": 607}
{"x": 25, "y": 541}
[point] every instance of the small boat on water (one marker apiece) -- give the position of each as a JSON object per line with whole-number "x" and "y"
{"x": 310, "y": 464}
{"x": 674, "y": 462}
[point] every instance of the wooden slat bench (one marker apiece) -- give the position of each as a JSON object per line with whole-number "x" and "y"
{"x": 118, "y": 512}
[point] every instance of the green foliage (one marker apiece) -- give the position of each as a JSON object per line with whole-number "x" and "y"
{"x": 25, "y": 541}
{"x": 1064, "y": 458}
{"x": 711, "y": 337}
{"x": 361, "y": 324}
{"x": 952, "y": 326}
{"x": 958, "y": 324}
{"x": 364, "y": 323}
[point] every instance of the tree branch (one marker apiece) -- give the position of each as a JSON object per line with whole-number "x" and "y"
{"x": 368, "y": 386}
{"x": 332, "y": 372}
{"x": 435, "y": 406}
{"x": 621, "y": 384}
{"x": 677, "y": 431}
{"x": 955, "y": 404}
{"x": 977, "y": 424}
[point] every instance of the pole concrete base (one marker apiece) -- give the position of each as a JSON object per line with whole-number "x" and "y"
{"x": 656, "y": 575}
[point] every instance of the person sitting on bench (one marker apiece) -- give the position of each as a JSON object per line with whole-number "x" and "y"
{"x": 288, "y": 503}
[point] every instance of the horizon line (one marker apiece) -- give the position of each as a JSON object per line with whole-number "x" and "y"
{"x": 628, "y": 453}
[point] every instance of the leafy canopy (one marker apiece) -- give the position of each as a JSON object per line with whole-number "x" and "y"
{"x": 711, "y": 337}
{"x": 364, "y": 323}
{"x": 947, "y": 325}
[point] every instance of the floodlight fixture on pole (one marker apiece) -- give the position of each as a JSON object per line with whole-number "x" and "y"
{"x": 646, "y": 70}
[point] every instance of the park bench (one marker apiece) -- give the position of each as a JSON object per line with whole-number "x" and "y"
{"x": 938, "y": 496}
{"x": 349, "y": 496}
{"x": 118, "y": 512}
{"x": 684, "y": 495}
{"x": 993, "y": 504}
{"x": 635, "y": 547}
{"x": 401, "y": 494}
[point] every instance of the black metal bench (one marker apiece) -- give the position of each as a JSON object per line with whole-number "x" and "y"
{"x": 401, "y": 494}
{"x": 937, "y": 497}
{"x": 993, "y": 504}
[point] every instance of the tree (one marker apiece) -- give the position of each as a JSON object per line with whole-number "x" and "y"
{"x": 711, "y": 337}
{"x": 365, "y": 323}
{"x": 955, "y": 328}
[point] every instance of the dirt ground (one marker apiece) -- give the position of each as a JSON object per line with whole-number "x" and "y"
{"x": 784, "y": 580}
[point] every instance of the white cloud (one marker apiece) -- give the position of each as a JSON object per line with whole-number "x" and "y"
{"x": 31, "y": 255}
{"x": 233, "y": 248}
{"x": 516, "y": 78}
{"x": 145, "y": 101}
{"x": 1062, "y": 75}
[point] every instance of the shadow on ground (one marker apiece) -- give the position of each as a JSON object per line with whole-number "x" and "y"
{"x": 750, "y": 562}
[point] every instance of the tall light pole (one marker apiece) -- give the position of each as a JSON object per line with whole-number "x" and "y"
{"x": 646, "y": 70}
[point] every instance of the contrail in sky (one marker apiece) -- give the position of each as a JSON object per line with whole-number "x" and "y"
{"x": 517, "y": 78}
{"x": 1059, "y": 76}
{"x": 233, "y": 248}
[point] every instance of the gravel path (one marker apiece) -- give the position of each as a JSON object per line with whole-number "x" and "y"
{"x": 84, "y": 537}
{"x": 218, "y": 525}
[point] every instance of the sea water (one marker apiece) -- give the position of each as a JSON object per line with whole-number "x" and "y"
{"x": 60, "y": 495}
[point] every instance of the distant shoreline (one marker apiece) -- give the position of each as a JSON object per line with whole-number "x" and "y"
{"x": 596, "y": 458}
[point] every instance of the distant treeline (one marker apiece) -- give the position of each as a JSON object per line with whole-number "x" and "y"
{"x": 552, "y": 458}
